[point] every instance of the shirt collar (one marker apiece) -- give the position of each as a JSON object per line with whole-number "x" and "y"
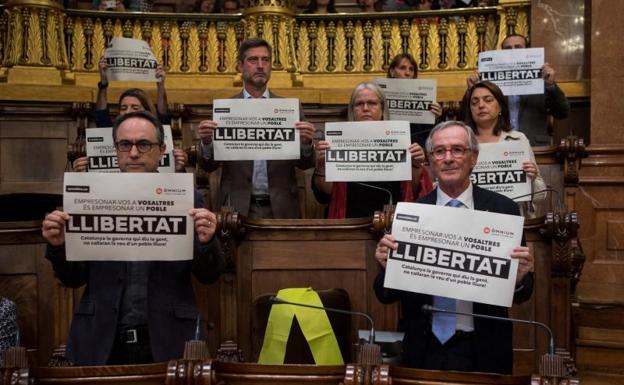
{"x": 465, "y": 197}
{"x": 510, "y": 135}
{"x": 247, "y": 95}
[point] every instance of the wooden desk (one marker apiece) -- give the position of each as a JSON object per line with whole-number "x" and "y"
{"x": 276, "y": 254}
{"x": 215, "y": 372}
{"x": 152, "y": 374}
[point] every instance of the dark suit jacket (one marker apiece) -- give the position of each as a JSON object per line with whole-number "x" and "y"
{"x": 534, "y": 110}
{"x": 493, "y": 338}
{"x": 172, "y": 311}
{"x": 236, "y": 181}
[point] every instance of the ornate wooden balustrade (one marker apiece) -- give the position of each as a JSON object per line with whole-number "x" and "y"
{"x": 308, "y": 50}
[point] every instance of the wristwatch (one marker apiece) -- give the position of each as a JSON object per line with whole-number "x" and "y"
{"x": 101, "y": 85}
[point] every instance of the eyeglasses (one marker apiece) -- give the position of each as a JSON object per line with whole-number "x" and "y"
{"x": 456, "y": 152}
{"x": 369, "y": 103}
{"x": 142, "y": 146}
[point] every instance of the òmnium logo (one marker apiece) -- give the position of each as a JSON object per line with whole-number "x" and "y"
{"x": 159, "y": 190}
{"x": 498, "y": 233}
{"x": 283, "y": 110}
{"x": 77, "y": 189}
{"x": 513, "y": 153}
{"x": 173, "y": 191}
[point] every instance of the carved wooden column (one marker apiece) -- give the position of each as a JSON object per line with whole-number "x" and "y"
{"x": 567, "y": 257}
{"x": 34, "y": 38}
{"x": 570, "y": 152}
{"x": 274, "y": 21}
{"x": 514, "y": 19}
{"x": 567, "y": 260}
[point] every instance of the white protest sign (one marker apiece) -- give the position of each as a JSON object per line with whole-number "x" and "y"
{"x": 499, "y": 169}
{"x": 409, "y": 99}
{"x": 256, "y": 129}
{"x": 454, "y": 252}
{"x": 130, "y": 59}
{"x": 368, "y": 151}
{"x": 128, "y": 216}
{"x": 102, "y": 155}
{"x": 109, "y": 4}
{"x": 515, "y": 71}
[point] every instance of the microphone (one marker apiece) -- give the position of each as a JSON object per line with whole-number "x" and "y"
{"x": 556, "y": 193}
{"x": 378, "y": 188}
{"x": 371, "y": 336}
{"x": 428, "y": 309}
{"x": 197, "y": 327}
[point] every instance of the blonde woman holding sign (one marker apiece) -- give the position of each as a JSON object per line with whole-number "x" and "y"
{"x": 352, "y": 199}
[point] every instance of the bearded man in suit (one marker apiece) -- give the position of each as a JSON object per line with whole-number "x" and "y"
{"x": 473, "y": 344}
{"x": 259, "y": 188}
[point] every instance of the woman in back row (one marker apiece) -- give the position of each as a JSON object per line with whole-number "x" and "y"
{"x": 403, "y": 66}
{"x": 487, "y": 112}
{"x": 132, "y": 99}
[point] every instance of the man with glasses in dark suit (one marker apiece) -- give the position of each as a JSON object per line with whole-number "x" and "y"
{"x": 449, "y": 341}
{"x": 141, "y": 311}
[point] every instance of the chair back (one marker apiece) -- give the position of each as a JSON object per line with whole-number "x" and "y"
{"x": 297, "y": 349}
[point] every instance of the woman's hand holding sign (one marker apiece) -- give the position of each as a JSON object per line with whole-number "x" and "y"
{"x": 525, "y": 262}
{"x": 417, "y": 154}
{"x": 531, "y": 170}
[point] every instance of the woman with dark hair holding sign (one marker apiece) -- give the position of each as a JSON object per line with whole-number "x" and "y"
{"x": 354, "y": 199}
{"x": 486, "y": 111}
{"x": 132, "y": 99}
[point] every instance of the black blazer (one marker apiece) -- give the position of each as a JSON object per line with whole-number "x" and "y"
{"x": 493, "y": 338}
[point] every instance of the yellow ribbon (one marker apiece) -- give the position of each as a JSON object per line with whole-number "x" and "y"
{"x": 314, "y": 324}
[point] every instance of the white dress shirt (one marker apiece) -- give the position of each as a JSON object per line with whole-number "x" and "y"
{"x": 462, "y": 322}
